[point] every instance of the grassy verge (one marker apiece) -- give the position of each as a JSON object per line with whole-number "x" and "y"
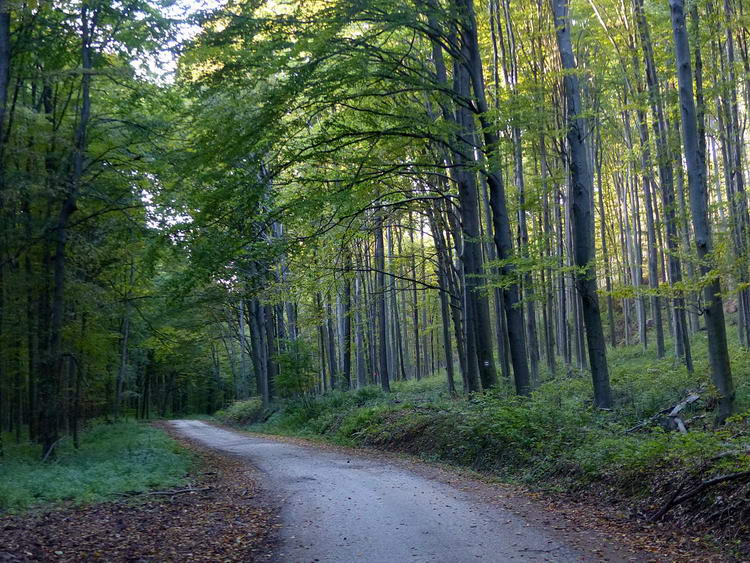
{"x": 113, "y": 458}
{"x": 555, "y": 439}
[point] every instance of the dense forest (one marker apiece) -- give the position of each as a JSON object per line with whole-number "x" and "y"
{"x": 280, "y": 198}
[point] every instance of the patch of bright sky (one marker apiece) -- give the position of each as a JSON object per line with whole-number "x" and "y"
{"x": 161, "y": 65}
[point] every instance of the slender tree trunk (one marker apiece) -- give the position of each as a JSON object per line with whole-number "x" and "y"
{"x": 500, "y": 218}
{"x": 476, "y": 323}
{"x": 242, "y": 389}
{"x": 381, "y": 312}
{"x": 122, "y": 370}
{"x": 583, "y": 218}
{"x": 735, "y": 173}
{"x": 260, "y": 349}
{"x": 547, "y": 229}
{"x": 562, "y": 324}
{"x": 653, "y": 267}
{"x": 359, "y": 344}
{"x": 666, "y": 176}
{"x": 605, "y": 253}
{"x": 270, "y": 353}
{"x": 5, "y": 54}
{"x": 331, "y": 348}
{"x": 500, "y": 324}
{"x": 718, "y": 352}
{"x": 346, "y": 329}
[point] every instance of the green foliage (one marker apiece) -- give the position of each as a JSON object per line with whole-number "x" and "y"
{"x": 242, "y": 412}
{"x": 555, "y": 438}
{"x": 297, "y": 373}
{"x": 324, "y": 414}
{"x": 113, "y": 458}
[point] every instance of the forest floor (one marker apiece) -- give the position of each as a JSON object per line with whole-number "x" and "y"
{"x": 221, "y": 515}
{"x": 348, "y": 504}
{"x": 258, "y": 498}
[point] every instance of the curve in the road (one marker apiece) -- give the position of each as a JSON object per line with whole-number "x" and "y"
{"x": 340, "y": 507}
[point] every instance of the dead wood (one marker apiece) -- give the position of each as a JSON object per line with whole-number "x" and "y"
{"x": 671, "y": 413}
{"x": 166, "y": 493}
{"x": 676, "y": 498}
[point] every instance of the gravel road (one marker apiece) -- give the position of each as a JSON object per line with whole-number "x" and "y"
{"x": 343, "y": 507}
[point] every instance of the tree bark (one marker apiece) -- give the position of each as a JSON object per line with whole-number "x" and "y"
{"x": 718, "y": 352}
{"x": 381, "y": 311}
{"x": 346, "y": 330}
{"x": 583, "y": 218}
{"x": 500, "y": 218}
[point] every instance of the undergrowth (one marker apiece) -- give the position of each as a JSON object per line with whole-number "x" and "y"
{"x": 554, "y": 439}
{"x": 240, "y": 413}
{"x": 113, "y": 458}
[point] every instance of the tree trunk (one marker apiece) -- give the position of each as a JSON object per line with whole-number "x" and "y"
{"x": 359, "y": 336}
{"x": 123, "y": 367}
{"x": 415, "y": 306}
{"x": 346, "y": 330}
{"x": 718, "y": 352}
{"x": 331, "y": 348}
{"x": 666, "y": 176}
{"x": 242, "y": 389}
{"x": 382, "y": 318}
{"x": 480, "y": 365}
{"x": 500, "y": 219}
{"x": 583, "y": 218}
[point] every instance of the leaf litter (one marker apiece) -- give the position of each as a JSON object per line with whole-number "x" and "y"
{"x": 222, "y": 515}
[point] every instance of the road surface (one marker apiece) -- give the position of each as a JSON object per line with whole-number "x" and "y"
{"x": 342, "y": 507}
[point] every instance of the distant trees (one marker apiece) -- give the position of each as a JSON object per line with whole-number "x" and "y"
{"x": 433, "y": 139}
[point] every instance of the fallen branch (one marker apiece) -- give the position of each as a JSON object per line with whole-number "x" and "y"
{"x": 671, "y": 412}
{"x": 731, "y": 453}
{"x": 678, "y": 407}
{"x": 695, "y": 418}
{"x": 710, "y": 483}
{"x": 667, "y": 505}
{"x": 680, "y": 425}
{"x": 51, "y": 449}
{"x": 178, "y": 492}
{"x": 166, "y": 493}
{"x": 675, "y": 498}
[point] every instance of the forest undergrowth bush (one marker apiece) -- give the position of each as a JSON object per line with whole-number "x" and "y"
{"x": 556, "y": 439}
{"x": 249, "y": 411}
{"x": 123, "y": 457}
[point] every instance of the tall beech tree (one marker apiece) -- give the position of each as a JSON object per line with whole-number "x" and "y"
{"x": 721, "y": 372}
{"x": 582, "y": 204}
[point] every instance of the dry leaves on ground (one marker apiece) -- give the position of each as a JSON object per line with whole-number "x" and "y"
{"x": 222, "y": 518}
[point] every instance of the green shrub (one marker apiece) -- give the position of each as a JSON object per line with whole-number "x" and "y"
{"x": 243, "y": 412}
{"x": 297, "y": 373}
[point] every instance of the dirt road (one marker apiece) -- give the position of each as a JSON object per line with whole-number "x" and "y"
{"x": 342, "y": 507}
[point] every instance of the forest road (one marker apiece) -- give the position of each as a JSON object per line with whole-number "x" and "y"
{"x": 343, "y": 507}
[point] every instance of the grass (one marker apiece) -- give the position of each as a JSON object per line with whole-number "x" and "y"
{"x": 113, "y": 458}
